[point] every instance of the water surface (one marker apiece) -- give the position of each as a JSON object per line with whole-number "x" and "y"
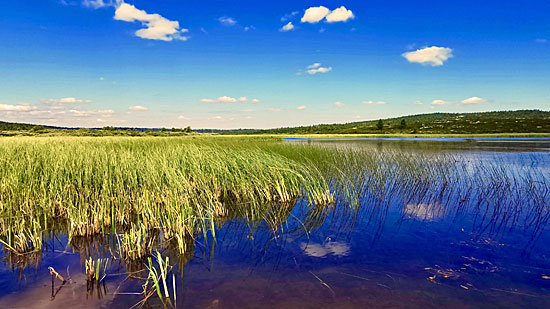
{"x": 464, "y": 239}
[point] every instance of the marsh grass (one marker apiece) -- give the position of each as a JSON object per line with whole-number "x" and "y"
{"x": 147, "y": 194}
{"x": 145, "y": 190}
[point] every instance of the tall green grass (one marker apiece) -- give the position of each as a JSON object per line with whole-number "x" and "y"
{"x": 150, "y": 193}
{"x": 140, "y": 188}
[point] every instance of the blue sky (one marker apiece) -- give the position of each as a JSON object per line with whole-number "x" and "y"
{"x": 261, "y": 64}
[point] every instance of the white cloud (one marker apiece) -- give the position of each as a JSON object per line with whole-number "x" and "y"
{"x": 319, "y": 69}
{"x": 102, "y": 78}
{"x": 275, "y": 110}
{"x": 301, "y": 107}
{"x": 418, "y": 102}
{"x": 249, "y": 28}
{"x": 339, "y": 104}
{"x": 374, "y": 102}
{"x": 473, "y": 100}
{"x": 314, "y": 15}
{"x": 441, "y": 102}
{"x": 156, "y": 26}
{"x": 314, "y": 66}
{"x": 69, "y": 100}
{"x": 182, "y": 117}
{"x": 226, "y": 99}
{"x": 227, "y": 21}
{"x": 340, "y": 14}
{"x": 287, "y": 27}
{"x": 138, "y": 108}
{"x": 434, "y": 55}
{"x": 21, "y": 107}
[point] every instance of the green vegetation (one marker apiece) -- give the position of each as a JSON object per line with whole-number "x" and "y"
{"x": 487, "y": 123}
{"x": 147, "y": 194}
{"x": 522, "y": 121}
{"x": 16, "y": 129}
{"x": 141, "y": 188}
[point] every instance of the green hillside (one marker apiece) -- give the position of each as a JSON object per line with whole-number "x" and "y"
{"x": 521, "y": 121}
{"x": 9, "y": 126}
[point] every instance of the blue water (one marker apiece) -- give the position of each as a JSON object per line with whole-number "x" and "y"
{"x": 434, "y": 139}
{"x": 478, "y": 243}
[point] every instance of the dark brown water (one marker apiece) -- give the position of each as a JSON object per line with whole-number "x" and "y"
{"x": 488, "y": 248}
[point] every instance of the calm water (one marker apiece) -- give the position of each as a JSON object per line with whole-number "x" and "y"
{"x": 474, "y": 243}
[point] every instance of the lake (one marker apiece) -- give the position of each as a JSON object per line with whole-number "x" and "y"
{"x": 464, "y": 223}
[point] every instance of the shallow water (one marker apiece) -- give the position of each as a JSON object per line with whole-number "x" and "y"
{"x": 438, "y": 248}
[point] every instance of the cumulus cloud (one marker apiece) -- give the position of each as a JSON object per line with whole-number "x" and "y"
{"x": 339, "y": 104}
{"x": 21, "y": 107}
{"x": 340, "y": 14}
{"x": 473, "y": 100}
{"x": 60, "y": 112}
{"x": 138, "y": 108}
{"x": 314, "y": 66}
{"x": 374, "y": 102}
{"x": 434, "y": 55}
{"x": 156, "y": 26}
{"x": 226, "y": 99}
{"x": 287, "y": 27}
{"x": 317, "y": 68}
{"x": 418, "y": 102}
{"x": 69, "y": 100}
{"x": 227, "y": 21}
{"x": 441, "y": 102}
{"x": 314, "y": 15}
{"x": 301, "y": 107}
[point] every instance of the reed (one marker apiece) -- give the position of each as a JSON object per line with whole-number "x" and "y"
{"x": 139, "y": 187}
{"x": 152, "y": 193}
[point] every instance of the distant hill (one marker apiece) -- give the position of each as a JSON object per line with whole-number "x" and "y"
{"x": 9, "y": 126}
{"x": 521, "y": 121}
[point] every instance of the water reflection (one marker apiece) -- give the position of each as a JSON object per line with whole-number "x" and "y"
{"x": 330, "y": 248}
{"x": 413, "y": 221}
{"x": 428, "y": 212}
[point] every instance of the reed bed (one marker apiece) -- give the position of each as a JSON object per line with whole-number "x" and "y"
{"x": 152, "y": 193}
{"x": 138, "y": 188}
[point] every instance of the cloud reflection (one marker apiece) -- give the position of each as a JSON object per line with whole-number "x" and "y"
{"x": 333, "y": 247}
